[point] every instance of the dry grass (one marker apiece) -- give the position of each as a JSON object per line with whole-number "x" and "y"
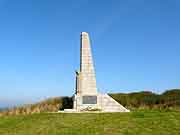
{"x": 49, "y": 105}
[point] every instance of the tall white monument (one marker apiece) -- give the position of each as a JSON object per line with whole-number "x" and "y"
{"x": 86, "y": 97}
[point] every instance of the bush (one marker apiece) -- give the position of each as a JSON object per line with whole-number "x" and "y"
{"x": 147, "y": 99}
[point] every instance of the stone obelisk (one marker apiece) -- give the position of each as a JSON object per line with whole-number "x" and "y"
{"x": 86, "y": 77}
{"x": 86, "y": 97}
{"x": 86, "y": 91}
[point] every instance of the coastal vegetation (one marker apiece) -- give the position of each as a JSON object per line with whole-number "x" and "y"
{"x": 169, "y": 100}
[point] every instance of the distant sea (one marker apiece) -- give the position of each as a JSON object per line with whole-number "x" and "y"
{"x": 6, "y": 106}
{"x": 6, "y": 103}
{"x": 2, "y": 109}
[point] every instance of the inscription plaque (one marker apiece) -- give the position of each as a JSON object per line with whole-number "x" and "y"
{"x": 89, "y": 99}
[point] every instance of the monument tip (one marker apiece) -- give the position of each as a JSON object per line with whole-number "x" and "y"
{"x": 84, "y": 33}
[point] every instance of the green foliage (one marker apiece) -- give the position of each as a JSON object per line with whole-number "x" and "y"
{"x": 67, "y": 103}
{"x": 171, "y": 97}
{"x": 149, "y": 100}
{"x": 142, "y": 100}
{"x": 133, "y": 123}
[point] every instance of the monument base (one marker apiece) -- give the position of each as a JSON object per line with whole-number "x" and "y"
{"x": 99, "y": 102}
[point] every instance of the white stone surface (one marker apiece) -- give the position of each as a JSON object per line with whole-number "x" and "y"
{"x": 108, "y": 104}
{"x": 86, "y": 84}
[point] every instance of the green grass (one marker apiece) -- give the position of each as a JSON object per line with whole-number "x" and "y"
{"x": 134, "y": 123}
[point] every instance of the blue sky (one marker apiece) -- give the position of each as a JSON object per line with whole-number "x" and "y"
{"x": 136, "y": 46}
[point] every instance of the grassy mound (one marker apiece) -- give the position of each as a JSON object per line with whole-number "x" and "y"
{"x": 138, "y": 122}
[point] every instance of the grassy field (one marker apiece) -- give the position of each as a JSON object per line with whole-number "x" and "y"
{"x": 134, "y": 123}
